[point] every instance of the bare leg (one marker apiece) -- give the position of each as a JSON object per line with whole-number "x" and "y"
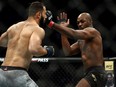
{"x": 83, "y": 83}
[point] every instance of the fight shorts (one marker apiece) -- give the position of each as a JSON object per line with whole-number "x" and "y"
{"x": 96, "y": 76}
{"x": 15, "y": 77}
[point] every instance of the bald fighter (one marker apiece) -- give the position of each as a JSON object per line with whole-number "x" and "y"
{"x": 23, "y": 41}
{"x": 89, "y": 43}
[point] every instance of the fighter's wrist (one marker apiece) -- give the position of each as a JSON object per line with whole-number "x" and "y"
{"x": 50, "y": 24}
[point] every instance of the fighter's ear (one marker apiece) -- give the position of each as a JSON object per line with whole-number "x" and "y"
{"x": 38, "y": 14}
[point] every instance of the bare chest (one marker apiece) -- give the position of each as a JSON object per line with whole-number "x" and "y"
{"x": 84, "y": 45}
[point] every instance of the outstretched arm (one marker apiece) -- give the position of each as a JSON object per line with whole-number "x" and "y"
{"x": 69, "y": 32}
{"x": 87, "y": 33}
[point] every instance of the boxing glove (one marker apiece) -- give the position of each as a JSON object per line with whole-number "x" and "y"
{"x": 49, "y": 21}
{"x": 50, "y": 51}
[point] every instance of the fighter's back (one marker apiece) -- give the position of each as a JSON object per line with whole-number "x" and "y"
{"x": 18, "y": 42}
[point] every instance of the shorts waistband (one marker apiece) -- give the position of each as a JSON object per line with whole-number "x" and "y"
{"x": 6, "y": 68}
{"x": 95, "y": 68}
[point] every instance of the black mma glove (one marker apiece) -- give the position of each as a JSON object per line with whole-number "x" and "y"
{"x": 50, "y": 51}
{"x": 62, "y": 19}
{"x": 59, "y": 20}
{"x": 49, "y": 21}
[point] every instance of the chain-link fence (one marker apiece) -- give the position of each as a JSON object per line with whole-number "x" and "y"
{"x": 57, "y": 72}
{"x": 64, "y": 72}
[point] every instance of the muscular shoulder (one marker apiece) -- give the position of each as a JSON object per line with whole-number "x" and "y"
{"x": 15, "y": 26}
{"x": 39, "y": 31}
{"x": 92, "y": 30}
{"x": 91, "y": 33}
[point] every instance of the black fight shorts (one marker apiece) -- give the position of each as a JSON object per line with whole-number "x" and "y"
{"x": 96, "y": 76}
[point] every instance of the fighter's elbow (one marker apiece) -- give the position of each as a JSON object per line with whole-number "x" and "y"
{"x": 33, "y": 51}
{"x": 37, "y": 51}
{"x": 66, "y": 53}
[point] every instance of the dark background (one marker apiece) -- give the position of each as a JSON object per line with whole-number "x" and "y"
{"x": 63, "y": 73}
{"x": 103, "y": 13}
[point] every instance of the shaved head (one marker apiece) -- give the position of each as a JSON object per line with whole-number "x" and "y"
{"x": 85, "y": 15}
{"x": 84, "y": 20}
